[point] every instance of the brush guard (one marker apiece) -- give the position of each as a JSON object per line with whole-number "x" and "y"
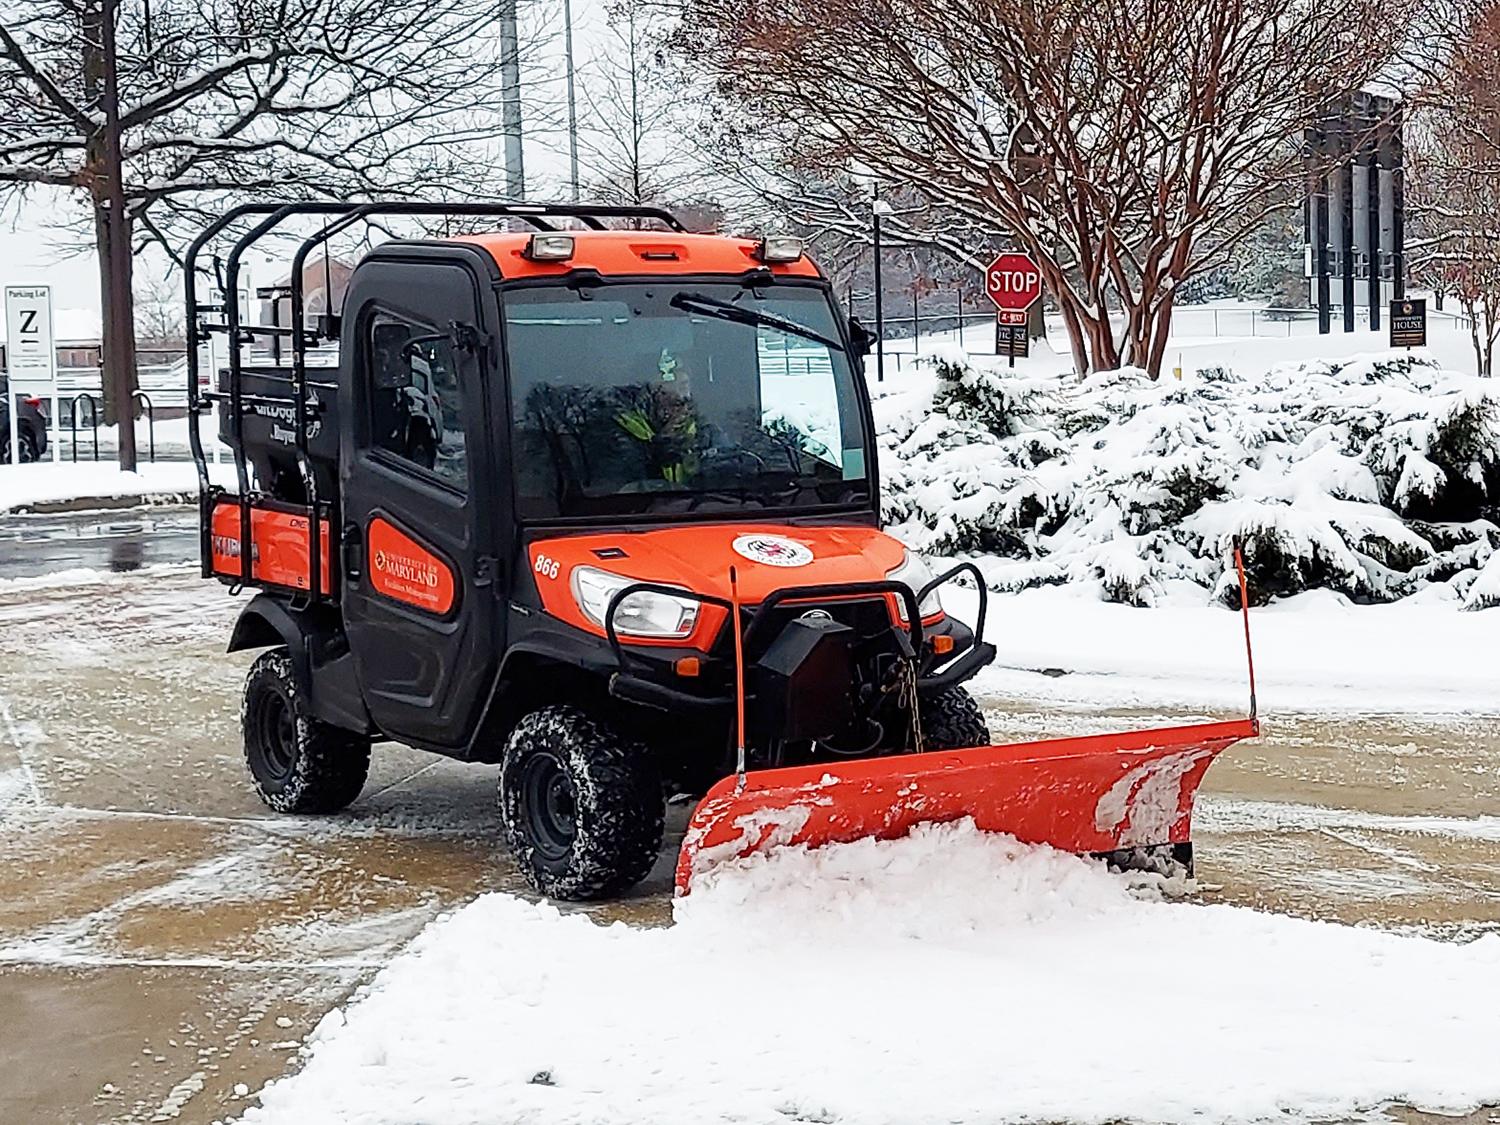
{"x": 632, "y": 683}
{"x": 1127, "y": 797}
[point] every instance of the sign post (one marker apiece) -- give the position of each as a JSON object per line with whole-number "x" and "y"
{"x": 1014, "y": 283}
{"x": 1409, "y": 323}
{"x": 30, "y": 354}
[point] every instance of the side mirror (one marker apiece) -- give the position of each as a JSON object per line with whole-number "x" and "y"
{"x": 390, "y": 362}
{"x": 416, "y": 347}
{"x": 861, "y": 339}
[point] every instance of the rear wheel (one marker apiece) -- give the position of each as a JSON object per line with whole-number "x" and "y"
{"x": 298, "y": 764}
{"x": 28, "y": 449}
{"x": 581, "y": 805}
{"x": 952, "y": 720}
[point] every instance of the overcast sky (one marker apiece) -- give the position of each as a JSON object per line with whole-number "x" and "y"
{"x": 33, "y": 254}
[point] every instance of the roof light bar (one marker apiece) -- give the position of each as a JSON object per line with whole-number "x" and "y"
{"x": 550, "y": 247}
{"x": 779, "y": 248}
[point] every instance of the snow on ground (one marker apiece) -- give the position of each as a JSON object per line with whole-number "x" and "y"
{"x": 1313, "y": 652}
{"x": 22, "y": 486}
{"x": 949, "y": 976}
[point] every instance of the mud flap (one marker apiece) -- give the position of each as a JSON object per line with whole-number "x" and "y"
{"x": 1113, "y": 794}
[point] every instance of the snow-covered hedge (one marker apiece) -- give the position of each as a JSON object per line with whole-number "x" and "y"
{"x": 1378, "y": 477}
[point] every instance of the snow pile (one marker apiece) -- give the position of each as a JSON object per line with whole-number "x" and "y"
{"x": 1377, "y": 477}
{"x": 1314, "y": 652}
{"x": 949, "y": 976}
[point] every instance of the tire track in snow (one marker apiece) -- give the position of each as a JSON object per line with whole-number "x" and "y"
{"x": 1235, "y": 814}
{"x": 17, "y": 782}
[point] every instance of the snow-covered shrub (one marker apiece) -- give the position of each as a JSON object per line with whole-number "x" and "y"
{"x": 1375, "y": 477}
{"x": 1483, "y": 591}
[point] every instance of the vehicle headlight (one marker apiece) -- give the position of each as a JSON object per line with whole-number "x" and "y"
{"x": 644, "y": 613}
{"x": 915, "y": 573}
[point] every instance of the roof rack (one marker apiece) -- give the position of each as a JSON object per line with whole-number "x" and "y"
{"x": 340, "y": 216}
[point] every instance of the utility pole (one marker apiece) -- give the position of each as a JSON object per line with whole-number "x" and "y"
{"x": 118, "y": 366}
{"x": 572, "y": 100}
{"x": 510, "y": 101}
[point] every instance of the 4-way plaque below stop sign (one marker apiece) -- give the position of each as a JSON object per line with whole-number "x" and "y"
{"x": 1013, "y": 282}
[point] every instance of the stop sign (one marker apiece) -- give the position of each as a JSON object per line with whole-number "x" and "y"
{"x": 1013, "y": 282}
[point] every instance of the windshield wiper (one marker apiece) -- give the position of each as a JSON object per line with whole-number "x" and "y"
{"x": 724, "y": 310}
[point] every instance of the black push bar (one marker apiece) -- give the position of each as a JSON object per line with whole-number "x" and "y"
{"x": 641, "y": 690}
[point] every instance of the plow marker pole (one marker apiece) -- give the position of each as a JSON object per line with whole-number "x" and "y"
{"x": 1239, "y": 566}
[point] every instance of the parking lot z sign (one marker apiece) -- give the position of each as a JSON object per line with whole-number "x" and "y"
{"x": 30, "y": 354}
{"x": 1409, "y": 323}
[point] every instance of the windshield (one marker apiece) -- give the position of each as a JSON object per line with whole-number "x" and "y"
{"x": 680, "y": 396}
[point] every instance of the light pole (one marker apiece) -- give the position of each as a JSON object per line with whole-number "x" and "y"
{"x": 510, "y": 101}
{"x": 572, "y": 99}
{"x": 877, "y": 208}
{"x": 916, "y": 312}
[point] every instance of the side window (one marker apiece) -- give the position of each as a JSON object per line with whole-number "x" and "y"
{"x": 416, "y": 404}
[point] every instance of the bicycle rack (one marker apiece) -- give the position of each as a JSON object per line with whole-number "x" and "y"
{"x": 93, "y": 420}
{"x": 150, "y": 423}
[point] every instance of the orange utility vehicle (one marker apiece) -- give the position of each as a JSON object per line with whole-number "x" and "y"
{"x": 601, "y": 506}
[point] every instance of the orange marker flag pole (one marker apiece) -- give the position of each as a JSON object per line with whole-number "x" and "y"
{"x": 739, "y": 680}
{"x": 1239, "y": 565}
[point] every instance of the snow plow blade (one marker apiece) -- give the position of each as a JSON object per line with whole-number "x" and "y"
{"x": 1104, "y": 794}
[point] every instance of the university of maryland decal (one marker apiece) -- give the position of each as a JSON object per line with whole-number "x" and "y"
{"x": 404, "y": 571}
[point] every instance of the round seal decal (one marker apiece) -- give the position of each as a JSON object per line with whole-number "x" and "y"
{"x": 773, "y": 550}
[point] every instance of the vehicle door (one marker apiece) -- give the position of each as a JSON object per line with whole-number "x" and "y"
{"x": 415, "y": 466}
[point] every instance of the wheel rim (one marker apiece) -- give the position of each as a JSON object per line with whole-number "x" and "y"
{"x": 276, "y": 732}
{"x": 549, "y": 806}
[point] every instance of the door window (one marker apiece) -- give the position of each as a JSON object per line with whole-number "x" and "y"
{"x": 416, "y": 404}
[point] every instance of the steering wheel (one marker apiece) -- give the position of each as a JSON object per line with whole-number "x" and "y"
{"x": 732, "y": 454}
{"x": 721, "y": 497}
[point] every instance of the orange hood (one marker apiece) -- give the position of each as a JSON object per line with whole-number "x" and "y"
{"x": 766, "y": 558}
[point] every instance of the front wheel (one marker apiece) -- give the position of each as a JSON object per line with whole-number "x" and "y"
{"x": 951, "y": 720}
{"x": 581, "y": 805}
{"x": 298, "y": 764}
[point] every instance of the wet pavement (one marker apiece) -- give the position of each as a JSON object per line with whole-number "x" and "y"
{"x": 120, "y": 540}
{"x": 166, "y": 944}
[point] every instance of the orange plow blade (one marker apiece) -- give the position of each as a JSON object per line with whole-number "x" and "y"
{"x": 1090, "y": 795}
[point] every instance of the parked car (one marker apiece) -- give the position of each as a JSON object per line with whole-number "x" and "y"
{"x": 31, "y": 422}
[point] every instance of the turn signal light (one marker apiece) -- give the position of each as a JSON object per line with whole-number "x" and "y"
{"x": 942, "y": 645}
{"x": 688, "y": 666}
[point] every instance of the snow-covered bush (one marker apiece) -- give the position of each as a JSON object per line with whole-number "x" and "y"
{"x": 1376, "y": 477}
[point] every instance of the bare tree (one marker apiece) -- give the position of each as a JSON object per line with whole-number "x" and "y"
{"x": 216, "y": 98}
{"x": 158, "y": 313}
{"x": 633, "y": 149}
{"x": 1125, "y": 144}
{"x": 1454, "y": 158}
